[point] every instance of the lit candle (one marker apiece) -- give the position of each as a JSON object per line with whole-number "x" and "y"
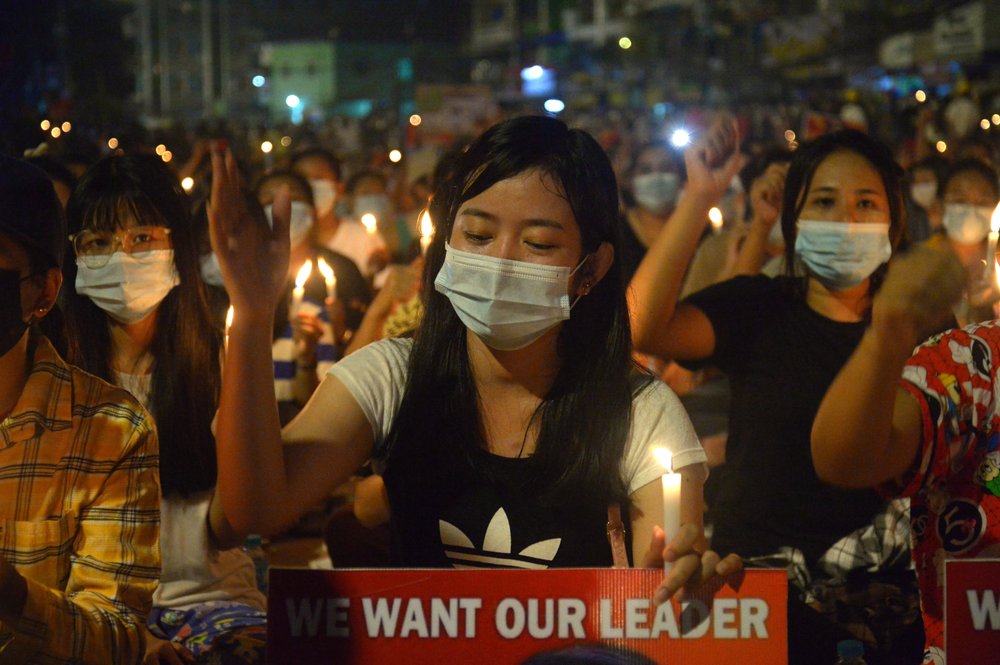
{"x": 229, "y": 324}
{"x": 991, "y": 260}
{"x": 991, "y": 248}
{"x": 371, "y": 224}
{"x": 715, "y": 217}
{"x": 426, "y": 231}
{"x": 299, "y": 291}
{"x": 329, "y": 277}
{"x": 671, "y": 499}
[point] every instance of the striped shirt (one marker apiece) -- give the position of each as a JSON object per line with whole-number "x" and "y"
{"x": 79, "y": 516}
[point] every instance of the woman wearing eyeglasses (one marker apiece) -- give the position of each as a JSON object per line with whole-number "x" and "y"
{"x": 137, "y": 317}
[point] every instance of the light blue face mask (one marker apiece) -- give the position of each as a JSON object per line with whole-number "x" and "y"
{"x": 841, "y": 255}
{"x": 507, "y": 303}
{"x": 376, "y": 204}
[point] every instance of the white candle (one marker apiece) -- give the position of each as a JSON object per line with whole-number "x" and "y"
{"x": 371, "y": 224}
{"x": 229, "y": 324}
{"x": 671, "y": 500}
{"x": 329, "y": 277}
{"x": 299, "y": 291}
{"x": 426, "y": 231}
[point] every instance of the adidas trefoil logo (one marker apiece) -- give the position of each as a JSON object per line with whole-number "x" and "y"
{"x": 496, "y": 547}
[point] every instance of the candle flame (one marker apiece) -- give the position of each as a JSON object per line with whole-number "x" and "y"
{"x": 229, "y": 318}
{"x": 324, "y": 269}
{"x": 426, "y": 225}
{"x": 663, "y": 456}
{"x": 303, "y": 275}
{"x": 995, "y": 220}
{"x": 369, "y": 221}
{"x": 715, "y": 217}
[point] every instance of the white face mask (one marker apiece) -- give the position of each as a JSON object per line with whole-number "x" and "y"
{"x": 656, "y": 191}
{"x": 211, "y": 273}
{"x": 842, "y": 255}
{"x": 923, "y": 193}
{"x": 130, "y": 286}
{"x": 324, "y": 195}
{"x": 302, "y": 220}
{"x": 376, "y": 204}
{"x": 508, "y": 304}
{"x": 966, "y": 224}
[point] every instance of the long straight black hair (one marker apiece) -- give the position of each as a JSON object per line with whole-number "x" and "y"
{"x": 806, "y": 160}
{"x": 186, "y": 346}
{"x": 583, "y": 423}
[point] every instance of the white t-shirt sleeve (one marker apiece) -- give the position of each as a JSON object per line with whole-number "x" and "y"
{"x": 659, "y": 420}
{"x": 376, "y": 377}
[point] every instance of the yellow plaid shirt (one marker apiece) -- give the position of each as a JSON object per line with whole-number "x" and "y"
{"x": 79, "y": 516}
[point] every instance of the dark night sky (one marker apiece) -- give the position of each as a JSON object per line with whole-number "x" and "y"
{"x": 368, "y": 20}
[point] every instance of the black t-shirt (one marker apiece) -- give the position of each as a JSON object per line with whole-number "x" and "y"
{"x": 492, "y": 523}
{"x": 781, "y": 356}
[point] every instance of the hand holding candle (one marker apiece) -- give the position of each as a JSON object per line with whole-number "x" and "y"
{"x": 299, "y": 292}
{"x": 671, "y": 499}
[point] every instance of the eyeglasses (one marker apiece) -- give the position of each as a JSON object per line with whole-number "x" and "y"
{"x": 96, "y": 247}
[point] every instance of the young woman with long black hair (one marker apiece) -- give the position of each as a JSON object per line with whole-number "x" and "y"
{"x": 509, "y": 424}
{"x": 782, "y": 341}
{"x": 137, "y": 316}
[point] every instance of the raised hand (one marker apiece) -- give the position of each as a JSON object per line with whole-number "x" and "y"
{"x": 766, "y": 193}
{"x": 253, "y": 257}
{"x": 918, "y": 293}
{"x": 713, "y": 160}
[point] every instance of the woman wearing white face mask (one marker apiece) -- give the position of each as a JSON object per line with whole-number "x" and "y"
{"x": 322, "y": 170}
{"x": 654, "y": 185}
{"x": 923, "y": 215}
{"x": 515, "y": 405}
{"x": 782, "y": 342}
{"x": 137, "y": 316}
{"x": 968, "y": 195}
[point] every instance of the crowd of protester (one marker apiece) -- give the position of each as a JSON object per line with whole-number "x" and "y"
{"x": 182, "y": 367}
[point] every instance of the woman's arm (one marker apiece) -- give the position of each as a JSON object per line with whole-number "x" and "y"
{"x": 264, "y": 486}
{"x": 647, "y": 508}
{"x": 868, "y": 430}
{"x": 659, "y": 327}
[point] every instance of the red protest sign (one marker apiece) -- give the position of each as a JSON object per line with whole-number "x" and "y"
{"x": 971, "y": 609}
{"x": 430, "y": 616}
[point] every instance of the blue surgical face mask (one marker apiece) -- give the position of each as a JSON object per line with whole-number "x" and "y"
{"x": 211, "y": 273}
{"x": 324, "y": 195}
{"x": 656, "y": 191}
{"x": 509, "y": 304}
{"x": 841, "y": 255}
{"x": 376, "y": 204}
{"x": 966, "y": 224}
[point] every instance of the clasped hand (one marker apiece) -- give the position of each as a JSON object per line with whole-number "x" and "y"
{"x": 692, "y": 569}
